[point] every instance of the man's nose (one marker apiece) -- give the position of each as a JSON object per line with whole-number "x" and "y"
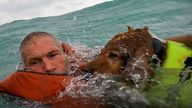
{"x": 48, "y": 66}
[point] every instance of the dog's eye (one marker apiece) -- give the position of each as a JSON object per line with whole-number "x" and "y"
{"x": 113, "y": 54}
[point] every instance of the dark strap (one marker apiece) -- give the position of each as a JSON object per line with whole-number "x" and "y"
{"x": 158, "y": 48}
{"x": 158, "y": 53}
{"x": 186, "y": 71}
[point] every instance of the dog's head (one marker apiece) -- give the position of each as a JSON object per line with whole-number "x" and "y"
{"x": 128, "y": 53}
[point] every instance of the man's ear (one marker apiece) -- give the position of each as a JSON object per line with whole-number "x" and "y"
{"x": 67, "y": 49}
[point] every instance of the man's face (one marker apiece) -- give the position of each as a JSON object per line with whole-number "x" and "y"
{"x": 44, "y": 55}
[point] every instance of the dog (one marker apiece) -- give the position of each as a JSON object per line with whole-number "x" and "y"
{"x": 130, "y": 54}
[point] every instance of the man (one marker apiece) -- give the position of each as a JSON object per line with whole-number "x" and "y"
{"x": 42, "y": 79}
{"x": 41, "y": 52}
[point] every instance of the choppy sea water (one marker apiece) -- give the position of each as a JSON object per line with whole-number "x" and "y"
{"x": 94, "y": 26}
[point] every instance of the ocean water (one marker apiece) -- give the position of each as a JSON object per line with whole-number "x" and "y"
{"x": 94, "y": 26}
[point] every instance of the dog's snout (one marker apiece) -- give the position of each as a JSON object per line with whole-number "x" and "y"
{"x": 88, "y": 69}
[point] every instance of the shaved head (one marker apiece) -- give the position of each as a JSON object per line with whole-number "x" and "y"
{"x": 42, "y": 53}
{"x": 32, "y": 38}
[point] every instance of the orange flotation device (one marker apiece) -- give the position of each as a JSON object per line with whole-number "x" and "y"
{"x": 34, "y": 86}
{"x": 44, "y": 88}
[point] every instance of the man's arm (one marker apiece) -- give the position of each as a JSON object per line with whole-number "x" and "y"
{"x": 186, "y": 39}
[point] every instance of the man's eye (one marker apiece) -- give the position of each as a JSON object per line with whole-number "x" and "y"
{"x": 36, "y": 62}
{"x": 53, "y": 55}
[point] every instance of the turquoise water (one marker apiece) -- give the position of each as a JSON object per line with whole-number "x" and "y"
{"x": 94, "y": 26}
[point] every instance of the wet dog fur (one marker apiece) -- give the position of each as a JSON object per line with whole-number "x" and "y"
{"x": 130, "y": 54}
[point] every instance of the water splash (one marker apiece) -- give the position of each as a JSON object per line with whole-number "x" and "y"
{"x": 109, "y": 89}
{"x": 113, "y": 91}
{"x": 136, "y": 68}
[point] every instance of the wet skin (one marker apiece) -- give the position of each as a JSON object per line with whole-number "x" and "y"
{"x": 44, "y": 55}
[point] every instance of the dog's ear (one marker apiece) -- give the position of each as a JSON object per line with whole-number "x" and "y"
{"x": 130, "y": 29}
{"x": 146, "y": 28}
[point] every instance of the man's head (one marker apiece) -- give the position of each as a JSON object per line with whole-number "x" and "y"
{"x": 41, "y": 52}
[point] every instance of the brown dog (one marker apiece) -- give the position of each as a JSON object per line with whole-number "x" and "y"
{"x": 130, "y": 53}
